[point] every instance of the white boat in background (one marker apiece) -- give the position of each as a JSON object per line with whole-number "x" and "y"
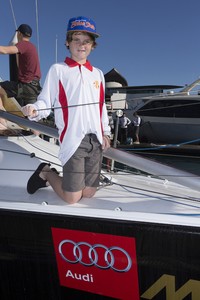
{"x": 170, "y": 118}
{"x": 137, "y": 238}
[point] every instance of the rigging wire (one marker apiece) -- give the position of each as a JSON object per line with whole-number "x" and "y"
{"x": 56, "y": 54}
{"x": 96, "y": 103}
{"x": 121, "y": 99}
{"x": 37, "y": 28}
{"x": 14, "y": 19}
{"x": 37, "y": 23}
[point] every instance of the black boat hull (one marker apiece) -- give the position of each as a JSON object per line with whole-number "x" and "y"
{"x": 163, "y": 257}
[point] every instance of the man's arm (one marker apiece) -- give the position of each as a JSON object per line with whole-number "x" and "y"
{"x": 8, "y": 50}
{"x": 128, "y": 121}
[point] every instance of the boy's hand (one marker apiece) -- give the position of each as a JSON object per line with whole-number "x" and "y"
{"x": 106, "y": 142}
{"x": 29, "y": 111}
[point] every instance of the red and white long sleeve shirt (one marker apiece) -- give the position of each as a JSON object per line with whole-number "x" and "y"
{"x": 77, "y": 95}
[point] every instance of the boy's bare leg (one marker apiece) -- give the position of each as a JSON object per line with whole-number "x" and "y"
{"x": 56, "y": 183}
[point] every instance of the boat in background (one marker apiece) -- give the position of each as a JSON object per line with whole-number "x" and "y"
{"x": 118, "y": 93}
{"x": 137, "y": 238}
{"x": 170, "y": 118}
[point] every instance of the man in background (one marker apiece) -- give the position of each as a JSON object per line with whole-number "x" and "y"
{"x": 123, "y": 126}
{"x": 136, "y": 123}
{"x": 27, "y": 87}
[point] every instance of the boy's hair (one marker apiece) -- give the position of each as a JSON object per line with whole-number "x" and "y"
{"x": 69, "y": 37}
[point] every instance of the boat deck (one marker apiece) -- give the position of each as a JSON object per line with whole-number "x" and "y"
{"x": 121, "y": 195}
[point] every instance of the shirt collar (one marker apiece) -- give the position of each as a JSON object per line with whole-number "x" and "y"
{"x": 72, "y": 63}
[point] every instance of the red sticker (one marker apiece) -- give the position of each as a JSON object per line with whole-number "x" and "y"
{"x": 97, "y": 263}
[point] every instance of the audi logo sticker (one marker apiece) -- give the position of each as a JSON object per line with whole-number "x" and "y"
{"x": 97, "y": 263}
{"x": 92, "y": 259}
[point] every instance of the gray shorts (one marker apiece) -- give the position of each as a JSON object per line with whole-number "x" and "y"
{"x": 84, "y": 167}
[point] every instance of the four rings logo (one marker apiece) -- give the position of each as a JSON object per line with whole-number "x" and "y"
{"x": 97, "y": 263}
{"x": 95, "y": 255}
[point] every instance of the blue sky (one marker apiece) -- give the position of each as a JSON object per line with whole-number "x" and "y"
{"x": 147, "y": 41}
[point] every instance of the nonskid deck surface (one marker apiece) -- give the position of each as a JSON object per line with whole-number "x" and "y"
{"x": 120, "y": 195}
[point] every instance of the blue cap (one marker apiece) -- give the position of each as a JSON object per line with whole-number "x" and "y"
{"x": 82, "y": 24}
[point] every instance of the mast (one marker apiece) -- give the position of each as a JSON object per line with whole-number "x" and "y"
{"x": 189, "y": 87}
{"x": 13, "y": 68}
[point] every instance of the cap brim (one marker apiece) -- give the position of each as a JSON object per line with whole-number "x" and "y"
{"x": 96, "y": 35}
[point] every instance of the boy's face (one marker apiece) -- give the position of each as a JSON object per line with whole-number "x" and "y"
{"x": 80, "y": 46}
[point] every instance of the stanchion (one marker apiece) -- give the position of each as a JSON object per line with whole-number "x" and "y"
{"x": 119, "y": 113}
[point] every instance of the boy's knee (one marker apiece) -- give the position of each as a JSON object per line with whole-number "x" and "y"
{"x": 72, "y": 197}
